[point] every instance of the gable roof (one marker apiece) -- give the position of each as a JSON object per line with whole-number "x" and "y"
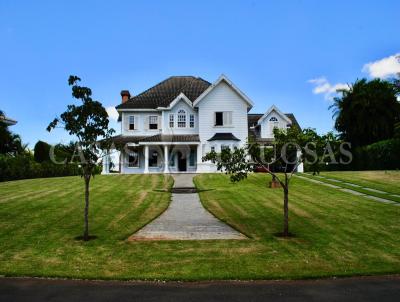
{"x": 252, "y": 119}
{"x": 162, "y": 94}
{"x": 229, "y": 82}
{"x": 274, "y": 108}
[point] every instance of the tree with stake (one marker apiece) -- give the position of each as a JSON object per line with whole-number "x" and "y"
{"x": 88, "y": 122}
{"x": 290, "y": 145}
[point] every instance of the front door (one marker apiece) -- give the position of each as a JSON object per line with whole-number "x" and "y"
{"x": 181, "y": 162}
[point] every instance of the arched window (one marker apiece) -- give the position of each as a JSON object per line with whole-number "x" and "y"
{"x": 273, "y": 119}
{"x": 181, "y": 119}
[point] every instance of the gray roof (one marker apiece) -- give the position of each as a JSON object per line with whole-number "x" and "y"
{"x": 162, "y": 94}
{"x": 224, "y": 137}
{"x": 124, "y": 139}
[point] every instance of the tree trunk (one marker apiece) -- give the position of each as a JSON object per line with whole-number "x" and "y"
{"x": 86, "y": 231}
{"x": 286, "y": 208}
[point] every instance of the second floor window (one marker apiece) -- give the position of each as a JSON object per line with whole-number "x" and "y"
{"x": 223, "y": 118}
{"x": 191, "y": 121}
{"x": 181, "y": 119}
{"x": 153, "y": 122}
{"x": 171, "y": 120}
{"x": 131, "y": 122}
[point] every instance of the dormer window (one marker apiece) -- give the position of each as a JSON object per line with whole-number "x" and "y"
{"x": 273, "y": 119}
{"x": 181, "y": 118}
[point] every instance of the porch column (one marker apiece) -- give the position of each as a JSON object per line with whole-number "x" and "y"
{"x": 146, "y": 159}
{"x": 166, "y": 159}
{"x": 106, "y": 168}
{"x": 199, "y": 155}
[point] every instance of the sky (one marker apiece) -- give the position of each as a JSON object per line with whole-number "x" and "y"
{"x": 293, "y": 54}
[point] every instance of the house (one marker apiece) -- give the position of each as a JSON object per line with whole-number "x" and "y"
{"x": 172, "y": 125}
{"x": 6, "y": 120}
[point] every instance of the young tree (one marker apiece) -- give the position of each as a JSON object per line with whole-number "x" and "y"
{"x": 290, "y": 145}
{"x": 88, "y": 122}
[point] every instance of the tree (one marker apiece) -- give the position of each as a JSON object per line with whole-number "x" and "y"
{"x": 88, "y": 122}
{"x": 41, "y": 152}
{"x": 367, "y": 112}
{"x": 241, "y": 161}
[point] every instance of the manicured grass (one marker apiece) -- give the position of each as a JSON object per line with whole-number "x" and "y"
{"x": 378, "y": 180}
{"x": 336, "y": 234}
{"x": 388, "y": 181}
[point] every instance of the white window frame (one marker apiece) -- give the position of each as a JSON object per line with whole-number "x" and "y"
{"x": 226, "y": 119}
{"x": 138, "y": 159}
{"x": 129, "y": 123}
{"x": 171, "y": 120}
{"x": 150, "y": 122}
{"x": 191, "y": 121}
{"x": 181, "y": 119}
{"x": 224, "y": 146}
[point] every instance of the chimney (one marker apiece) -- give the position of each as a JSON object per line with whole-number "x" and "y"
{"x": 125, "y": 95}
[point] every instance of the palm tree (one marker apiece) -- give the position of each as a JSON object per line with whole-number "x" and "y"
{"x": 367, "y": 112}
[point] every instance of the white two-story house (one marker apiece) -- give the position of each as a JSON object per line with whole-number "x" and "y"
{"x": 172, "y": 125}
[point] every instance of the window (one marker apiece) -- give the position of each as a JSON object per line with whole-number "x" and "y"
{"x": 212, "y": 149}
{"x": 131, "y": 122}
{"x": 219, "y": 119}
{"x": 133, "y": 159}
{"x": 171, "y": 120}
{"x": 273, "y": 119}
{"x": 191, "y": 121}
{"x": 288, "y": 126}
{"x": 225, "y": 147}
{"x": 192, "y": 158}
{"x": 181, "y": 119}
{"x": 153, "y": 160}
{"x": 223, "y": 118}
{"x": 153, "y": 122}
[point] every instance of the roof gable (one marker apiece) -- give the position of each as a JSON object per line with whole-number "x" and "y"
{"x": 223, "y": 78}
{"x": 270, "y": 110}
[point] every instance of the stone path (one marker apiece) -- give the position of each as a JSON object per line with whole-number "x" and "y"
{"x": 350, "y": 191}
{"x": 186, "y": 219}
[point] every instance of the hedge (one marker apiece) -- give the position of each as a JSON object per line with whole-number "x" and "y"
{"x": 24, "y": 167}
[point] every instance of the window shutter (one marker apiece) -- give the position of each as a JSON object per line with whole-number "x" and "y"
{"x": 136, "y": 122}
{"x": 215, "y": 118}
{"x": 227, "y": 118}
{"x": 159, "y": 122}
{"x": 146, "y": 122}
{"x": 126, "y": 121}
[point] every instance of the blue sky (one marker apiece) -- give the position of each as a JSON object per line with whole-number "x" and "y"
{"x": 269, "y": 49}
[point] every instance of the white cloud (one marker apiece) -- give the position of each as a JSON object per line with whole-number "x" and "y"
{"x": 383, "y": 68}
{"x": 112, "y": 113}
{"x": 322, "y": 86}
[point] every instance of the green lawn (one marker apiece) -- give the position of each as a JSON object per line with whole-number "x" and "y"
{"x": 388, "y": 181}
{"x": 336, "y": 233}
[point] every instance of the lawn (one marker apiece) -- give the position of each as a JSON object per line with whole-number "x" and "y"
{"x": 388, "y": 181}
{"x": 337, "y": 234}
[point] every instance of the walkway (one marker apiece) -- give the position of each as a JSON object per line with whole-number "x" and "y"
{"x": 186, "y": 218}
{"x": 350, "y": 191}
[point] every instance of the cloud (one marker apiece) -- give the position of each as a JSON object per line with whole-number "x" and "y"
{"x": 322, "y": 86}
{"x": 383, "y": 68}
{"x": 112, "y": 113}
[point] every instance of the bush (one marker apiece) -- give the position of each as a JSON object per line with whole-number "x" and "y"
{"x": 24, "y": 167}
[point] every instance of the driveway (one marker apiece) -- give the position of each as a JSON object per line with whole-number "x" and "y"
{"x": 378, "y": 289}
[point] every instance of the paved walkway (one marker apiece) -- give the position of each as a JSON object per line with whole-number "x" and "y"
{"x": 186, "y": 219}
{"x": 350, "y": 191}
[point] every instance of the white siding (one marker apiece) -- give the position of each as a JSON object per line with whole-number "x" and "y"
{"x": 267, "y": 126}
{"x": 222, "y": 98}
{"x": 189, "y": 110}
{"x": 141, "y": 123}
